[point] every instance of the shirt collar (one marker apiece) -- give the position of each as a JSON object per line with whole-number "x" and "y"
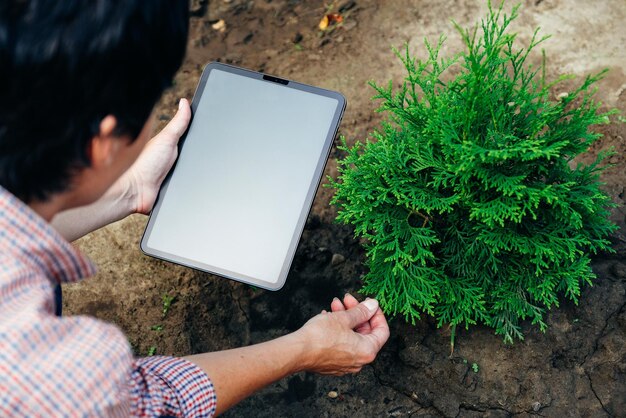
{"x": 24, "y": 234}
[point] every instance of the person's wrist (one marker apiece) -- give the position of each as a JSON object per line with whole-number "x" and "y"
{"x": 304, "y": 350}
{"x": 125, "y": 193}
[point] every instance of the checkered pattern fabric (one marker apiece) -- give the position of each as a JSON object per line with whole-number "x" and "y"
{"x": 77, "y": 365}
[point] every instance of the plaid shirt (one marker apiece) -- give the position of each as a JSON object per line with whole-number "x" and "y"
{"x": 76, "y": 365}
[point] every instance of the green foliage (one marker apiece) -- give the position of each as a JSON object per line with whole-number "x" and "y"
{"x": 468, "y": 200}
{"x": 167, "y": 303}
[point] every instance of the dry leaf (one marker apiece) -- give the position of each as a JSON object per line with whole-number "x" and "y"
{"x": 323, "y": 23}
{"x": 329, "y": 20}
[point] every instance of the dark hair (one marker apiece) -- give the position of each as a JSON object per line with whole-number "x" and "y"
{"x": 64, "y": 66}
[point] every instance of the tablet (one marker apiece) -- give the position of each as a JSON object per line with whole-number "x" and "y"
{"x": 237, "y": 199}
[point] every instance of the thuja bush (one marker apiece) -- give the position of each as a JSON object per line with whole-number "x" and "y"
{"x": 468, "y": 200}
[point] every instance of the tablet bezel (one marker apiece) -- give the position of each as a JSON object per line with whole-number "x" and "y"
{"x": 308, "y": 202}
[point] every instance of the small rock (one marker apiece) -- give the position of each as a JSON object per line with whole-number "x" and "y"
{"x": 219, "y": 26}
{"x": 562, "y": 96}
{"x": 396, "y": 412}
{"x": 337, "y": 259}
{"x": 536, "y": 406}
{"x": 332, "y": 394}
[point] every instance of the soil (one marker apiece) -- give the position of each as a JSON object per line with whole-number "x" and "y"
{"x": 575, "y": 369}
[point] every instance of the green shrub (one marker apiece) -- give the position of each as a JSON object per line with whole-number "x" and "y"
{"x": 468, "y": 201}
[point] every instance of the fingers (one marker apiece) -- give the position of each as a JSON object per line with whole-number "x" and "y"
{"x": 178, "y": 125}
{"x": 377, "y": 325}
{"x": 337, "y": 306}
{"x": 380, "y": 329}
{"x": 379, "y": 320}
{"x": 350, "y": 301}
{"x": 359, "y": 314}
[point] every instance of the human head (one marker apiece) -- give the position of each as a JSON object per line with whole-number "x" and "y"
{"x": 67, "y": 65}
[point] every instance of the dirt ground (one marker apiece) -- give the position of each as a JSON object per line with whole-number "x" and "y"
{"x": 576, "y": 369}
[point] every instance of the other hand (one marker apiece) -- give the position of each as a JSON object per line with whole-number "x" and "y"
{"x": 156, "y": 159}
{"x": 345, "y": 340}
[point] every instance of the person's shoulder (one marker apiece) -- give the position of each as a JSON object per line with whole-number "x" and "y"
{"x": 55, "y": 362}
{"x": 82, "y": 340}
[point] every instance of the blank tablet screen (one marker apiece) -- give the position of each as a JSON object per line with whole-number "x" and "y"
{"x": 236, "y": 202}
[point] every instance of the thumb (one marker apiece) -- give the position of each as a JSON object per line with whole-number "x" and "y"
{"x": 361, "y": 313}
{"x": 177, "y": 126}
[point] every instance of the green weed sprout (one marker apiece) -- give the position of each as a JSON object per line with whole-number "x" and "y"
{"x": 468, "y": 200}
{"x": 167, "y": 303}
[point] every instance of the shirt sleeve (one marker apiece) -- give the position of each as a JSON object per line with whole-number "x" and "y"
{"x": 170, "y": 386}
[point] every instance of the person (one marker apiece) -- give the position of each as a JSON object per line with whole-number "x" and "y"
{"x": 78, "y": 81}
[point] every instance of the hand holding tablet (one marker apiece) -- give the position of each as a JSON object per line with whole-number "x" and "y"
{"x": 250, "y": 163}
